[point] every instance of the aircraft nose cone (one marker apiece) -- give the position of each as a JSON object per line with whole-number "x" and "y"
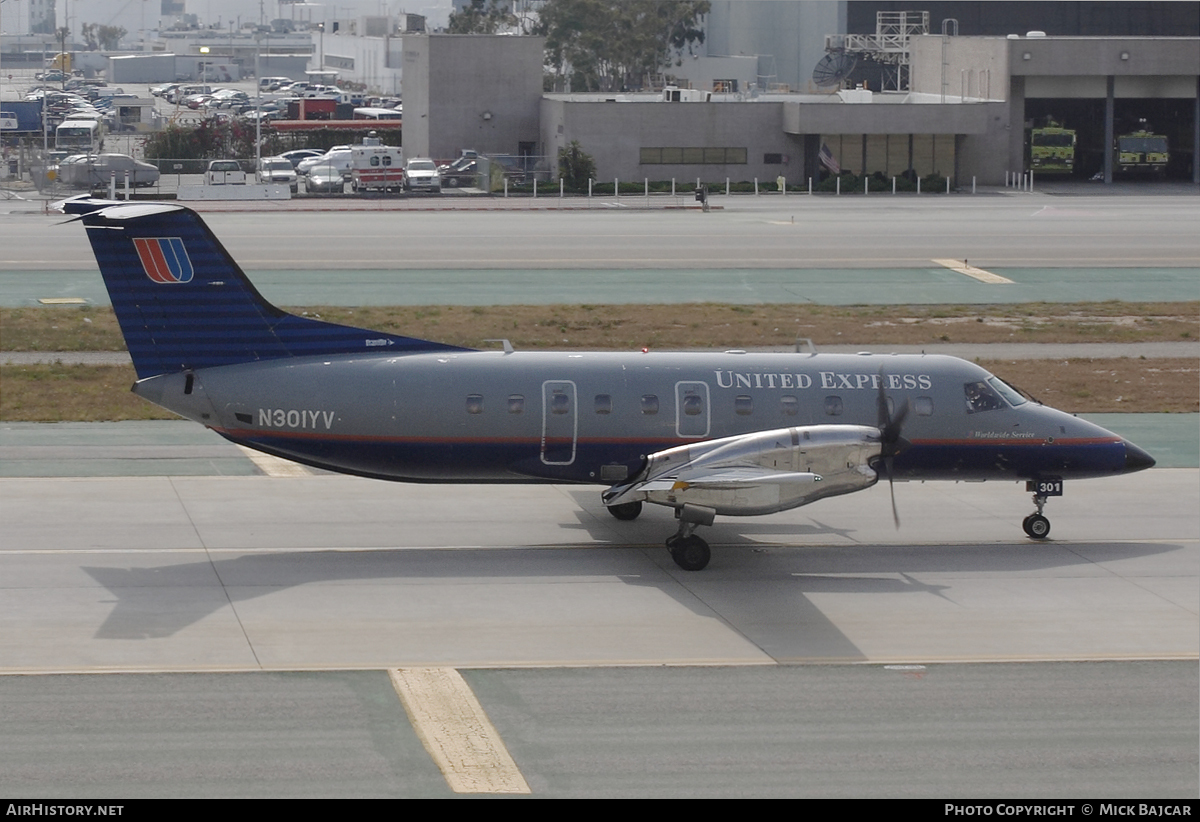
{"x": 1136, "y": 459}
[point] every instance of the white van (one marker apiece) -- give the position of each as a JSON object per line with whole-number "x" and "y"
{"x": 79, "y": 135}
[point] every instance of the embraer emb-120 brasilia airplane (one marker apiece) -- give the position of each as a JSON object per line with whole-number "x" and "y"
{"x": 706, "y": 434}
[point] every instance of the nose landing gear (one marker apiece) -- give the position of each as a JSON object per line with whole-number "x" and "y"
{"x": 1037, "y": 526}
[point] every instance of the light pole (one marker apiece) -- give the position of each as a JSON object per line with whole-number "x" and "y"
{"x": 2, "y": 48}
{"x": 258, "y": 104}
{"x": 62, "y": 55}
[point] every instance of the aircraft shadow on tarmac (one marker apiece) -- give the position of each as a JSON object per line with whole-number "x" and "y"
{"x": 761, "y": 591}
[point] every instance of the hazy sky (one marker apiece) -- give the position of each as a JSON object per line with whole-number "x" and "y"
{"x": 133, "y": 14}
{"x": 438, "y": 11}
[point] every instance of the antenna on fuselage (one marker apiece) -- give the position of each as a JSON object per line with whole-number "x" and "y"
{"x": 508, "y": 347}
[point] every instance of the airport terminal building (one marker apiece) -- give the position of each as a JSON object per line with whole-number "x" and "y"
{"x": 964, "y": 113}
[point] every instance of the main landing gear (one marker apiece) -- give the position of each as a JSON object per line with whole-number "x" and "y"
{"x": 1037, "y": 526}
{"x": 690, "y": 552}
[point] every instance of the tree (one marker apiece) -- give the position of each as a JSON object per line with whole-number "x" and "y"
{"x": 611, "y": 45}
{"x": 575, "y": 166}
{"x": 97, "y": 36}
{"x": 482, "y": 17}
{"x": 110, "y": 37}
{"x": 88, "y": 32}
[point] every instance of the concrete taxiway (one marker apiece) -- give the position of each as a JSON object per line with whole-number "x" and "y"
{"x": 253, "y": 573}
{"x": 1119, "y": 730}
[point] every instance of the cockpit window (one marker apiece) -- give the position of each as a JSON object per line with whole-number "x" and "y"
{"x": 981, "y": 397}
{"x": 1007, "y": 391}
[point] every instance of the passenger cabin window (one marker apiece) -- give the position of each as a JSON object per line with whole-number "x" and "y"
{"x": 649, "y": 404}
{"x": 833, "y": 406}
{"x": 981, "y": 397}
{"x": 743, "y": 405}
{"x": 560, "y": 404}
{"x": 693, "y": 406}
{"x": 516, "y": 403}
{"x": 474, "y": 403}
{"x": 789, "y": 405}
{"x": 603, "y": 403}
{"x": 923, "y": 406}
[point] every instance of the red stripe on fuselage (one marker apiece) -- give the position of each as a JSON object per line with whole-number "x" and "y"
{"x": 1062, "y": 441}
{"x": 666, "y": 443}
{"x": 248, "y": 433}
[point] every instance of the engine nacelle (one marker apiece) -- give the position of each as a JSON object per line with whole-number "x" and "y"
{"x": 758, "y": 473}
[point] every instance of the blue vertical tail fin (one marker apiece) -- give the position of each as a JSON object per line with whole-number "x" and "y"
{"x": 184, "y": 304}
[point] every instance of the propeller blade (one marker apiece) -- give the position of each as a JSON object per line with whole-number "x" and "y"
{"x": 893, "y": 442}
{"x": 895, "y": 510}
{"x": 890, "y": 441}
{"x": 881, "y": 409}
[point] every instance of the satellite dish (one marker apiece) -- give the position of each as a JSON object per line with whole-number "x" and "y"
{"x": 834, "y": 68}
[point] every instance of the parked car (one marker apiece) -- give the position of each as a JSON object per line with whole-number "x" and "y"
{"x": 270, "y": 110}
{"x": 325, "y": 180}
{"x": 279, "y": 171}
{"x": 178, "y": 93}
{"x": 95, "y": 170}
{"x": 196, "y": 101}
{"x": 339, "y": 158}
{"x": 421, "y": 174}
{"x": 228, "y": 98}
{"x": 161, "y": 91}
{"x": 225, "y": 172}
{"x": 462, "y": 172}
{"x": 297, "y": 154}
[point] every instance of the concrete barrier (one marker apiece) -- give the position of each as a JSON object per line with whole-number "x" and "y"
{"x": 247, "y": 192}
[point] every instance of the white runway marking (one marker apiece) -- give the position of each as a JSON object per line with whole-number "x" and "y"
{"x": 455, "y": 730}
{"x": 962, "y": 267}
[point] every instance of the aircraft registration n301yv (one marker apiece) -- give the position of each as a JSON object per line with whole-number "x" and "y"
{"x": 706, "y": 434}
